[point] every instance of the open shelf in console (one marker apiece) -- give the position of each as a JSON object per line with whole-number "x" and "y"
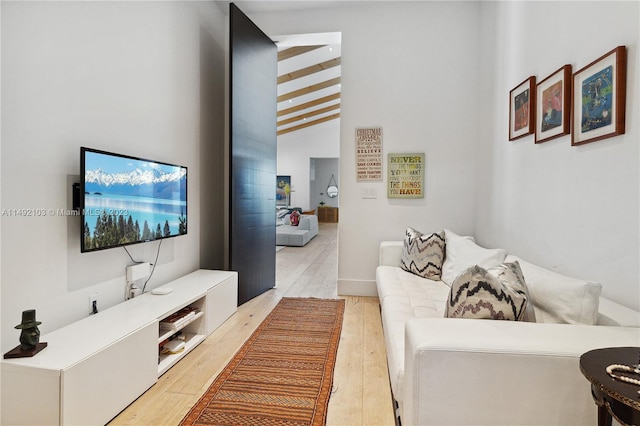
{"x": 166, "y": 361}
{"x": 167, "y": 333}
{"x": 184, "y": 328}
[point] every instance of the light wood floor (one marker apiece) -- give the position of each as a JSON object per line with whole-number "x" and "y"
{"x": 361, "y": 393}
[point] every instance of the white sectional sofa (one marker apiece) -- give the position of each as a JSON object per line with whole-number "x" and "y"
{"x": 297, "y": 236}
{"x": 455, "y": 371}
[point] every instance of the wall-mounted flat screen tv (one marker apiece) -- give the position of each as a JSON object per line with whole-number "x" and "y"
{"x": 127, "y": 200}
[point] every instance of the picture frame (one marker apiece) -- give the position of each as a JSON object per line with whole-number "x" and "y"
{"x": 369, "y": 154}
{"x": 283, "y": 191}
{"x": 599, "y": 97}
{"x": 553, "y": 105}
{"x": 522, "y": 101}
{"x": 406, "y": 175}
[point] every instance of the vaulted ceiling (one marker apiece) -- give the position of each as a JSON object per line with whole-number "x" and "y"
{"x": 309, "y": 66}
{"x": 308, "y": 85}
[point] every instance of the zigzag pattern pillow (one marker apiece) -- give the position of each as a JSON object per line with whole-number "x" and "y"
{"x": 497, "y": 293}
{"x": 423, "y": 254}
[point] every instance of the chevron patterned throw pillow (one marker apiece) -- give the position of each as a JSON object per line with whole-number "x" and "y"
{"x": 423, "y": 254}
{"x": 496, "y": 293}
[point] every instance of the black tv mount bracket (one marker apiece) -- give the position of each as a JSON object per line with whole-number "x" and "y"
{"x": 75, "y": 191}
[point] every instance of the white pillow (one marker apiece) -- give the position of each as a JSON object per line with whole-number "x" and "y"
{"x": 463, "y": 252}
{"x": 560, "y": 299}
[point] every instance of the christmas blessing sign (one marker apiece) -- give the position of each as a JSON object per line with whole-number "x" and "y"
{"x": 369, "y": 154}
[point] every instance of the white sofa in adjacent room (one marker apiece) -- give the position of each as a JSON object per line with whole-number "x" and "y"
{"x": 460, "y": 371}
{"x": 300, "y": 235}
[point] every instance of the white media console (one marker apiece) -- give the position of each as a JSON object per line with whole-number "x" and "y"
{"x": 94, "y": 368}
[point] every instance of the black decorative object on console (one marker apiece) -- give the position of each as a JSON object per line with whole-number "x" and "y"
{"x": 29, "y": 337}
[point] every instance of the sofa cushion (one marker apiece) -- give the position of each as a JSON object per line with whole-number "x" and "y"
{"x": 423, "y": 254}
{"x": 291, "y": 236}
{"x": 461, "y": 252}
{"x": 405, "y": 296}
{"x": 560, "y": 299}
{"x": 497, "y": 293}
{"x": 426, "y": 297}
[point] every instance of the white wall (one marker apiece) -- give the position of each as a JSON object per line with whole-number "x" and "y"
{"x": 436, "y": 77}
{"x": 118, "y": 76}
{"x": 408, "y": 67}
{"x": 296, "y": 148}
{"x": 574, "y": 210}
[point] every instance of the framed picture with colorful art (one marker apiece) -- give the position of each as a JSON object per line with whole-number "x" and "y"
{"x": 553, "y": 105}
{"x": 522, "y": 101}
{"x": 599, "y": 96}
{"x": 283, "y": 190}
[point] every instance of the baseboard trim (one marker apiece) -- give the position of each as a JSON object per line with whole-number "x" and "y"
{"x": 357, "y": 288}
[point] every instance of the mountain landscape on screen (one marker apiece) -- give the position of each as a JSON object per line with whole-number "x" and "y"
{"x": 147, "y": 183}
{"x": 129, "y": 200}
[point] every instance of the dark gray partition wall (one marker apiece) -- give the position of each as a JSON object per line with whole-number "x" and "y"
{"x": 253, "y": 65}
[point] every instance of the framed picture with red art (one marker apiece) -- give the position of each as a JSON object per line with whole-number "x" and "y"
{"x": 522, "y": 101}
{"x": 553, "y": 106}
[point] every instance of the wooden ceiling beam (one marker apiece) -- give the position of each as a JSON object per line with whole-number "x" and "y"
{"x": 308, "y": 114}
{"x": 309, "y": 104}
{"x": 309, "y": 89}
{"x": 295, "y": 51}
{"x": 303, "y": 72}
{"x": 308, "y": 124}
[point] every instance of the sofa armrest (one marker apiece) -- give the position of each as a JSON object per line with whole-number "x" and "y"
{"x": 303, "y": 224}
{"x": 390, "y": 253}
{"x": 308, "y": 222}
{"x": 612, "y": 313}
{"x": 484, "y": 372}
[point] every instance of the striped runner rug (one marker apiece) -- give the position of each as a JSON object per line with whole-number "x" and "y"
{"x": 283, "y": 373}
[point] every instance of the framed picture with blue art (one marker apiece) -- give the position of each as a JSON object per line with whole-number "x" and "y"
{"x": 522, "y": 101}
{"x": 283, "y": 190}
{"x": 553, "y": 106}
{"x": 599, "y": 96}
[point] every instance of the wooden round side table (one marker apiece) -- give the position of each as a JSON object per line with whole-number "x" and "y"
{"x": 613, "y": 397}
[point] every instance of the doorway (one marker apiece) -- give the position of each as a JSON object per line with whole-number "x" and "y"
{"x": 325, "y": 174}
{"x": 308, "y": 111}
{"x": 308, "y": 142}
